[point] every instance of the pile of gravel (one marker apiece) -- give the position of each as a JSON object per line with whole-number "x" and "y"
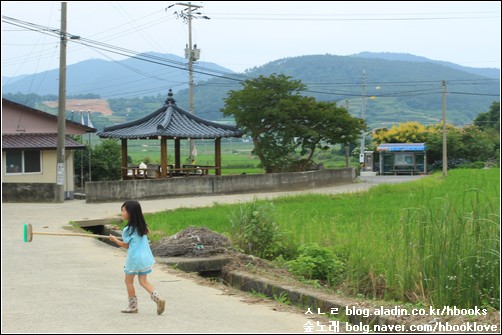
{"x": 191, "y": 242}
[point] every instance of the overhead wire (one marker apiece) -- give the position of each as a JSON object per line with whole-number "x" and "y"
{"x": 101, "y": 46}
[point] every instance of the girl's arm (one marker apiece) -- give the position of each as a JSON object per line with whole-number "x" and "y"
{"x": 119, "y": 242}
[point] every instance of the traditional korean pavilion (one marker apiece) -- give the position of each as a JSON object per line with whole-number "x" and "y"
{"x": 170, "y": 123}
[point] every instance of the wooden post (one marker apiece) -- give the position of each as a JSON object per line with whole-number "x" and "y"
{"x": 163, "y": 157}
{"x": 124, "y": 158}
{"x": 177, "y": 153}
{"x": 217, "y": 155}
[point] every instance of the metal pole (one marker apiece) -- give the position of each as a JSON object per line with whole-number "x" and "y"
{"x": 89, "y": 124}
{"x": 82, "y": 166}
{"x": 61, "y": 161}
{"x": 347, "y": 150}
{"x": 363, "y": 116}
{"x": 445, "y": 156}
{"x": 90, "y": 154}
{"x": 190, "y": 74}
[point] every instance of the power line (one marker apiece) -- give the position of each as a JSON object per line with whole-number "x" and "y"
{"x": 240, "y": 78}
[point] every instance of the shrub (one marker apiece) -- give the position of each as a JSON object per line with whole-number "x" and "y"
{"x": 477, "y": 165}
{"x": 317, "y": 263}
{"x": 254, "y": 230}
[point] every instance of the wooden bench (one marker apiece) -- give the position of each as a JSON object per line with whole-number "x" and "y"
{"x": 187, "y": 171}
{"x": 201, "y": 169}
{"x": 404, "y": 171}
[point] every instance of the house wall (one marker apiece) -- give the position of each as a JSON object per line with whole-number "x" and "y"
{"x": 38, "y": 187}
{"x": 46, "y": 176}
{"x": 210, "y": 185}
{"x": 18, "y": 121}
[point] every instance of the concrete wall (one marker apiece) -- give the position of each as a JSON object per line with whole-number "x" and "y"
{"x": 122, "y": 190}
{"x": 28, "y": 192}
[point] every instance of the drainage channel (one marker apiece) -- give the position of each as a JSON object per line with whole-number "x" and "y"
{"x": 101, "y": 227}
{"x": 214, "y": 267}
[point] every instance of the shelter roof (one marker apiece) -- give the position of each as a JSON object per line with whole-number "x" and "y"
{"x": 393, "y": 147}
{"x": 172, "y": 122}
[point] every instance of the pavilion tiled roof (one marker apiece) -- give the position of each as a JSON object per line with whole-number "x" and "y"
{"x": 172, "y": 122}
{"x": 36, "y": 141}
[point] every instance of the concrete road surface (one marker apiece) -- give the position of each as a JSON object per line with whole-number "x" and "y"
{"x": 60, "y": 284}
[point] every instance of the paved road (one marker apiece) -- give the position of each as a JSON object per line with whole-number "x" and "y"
{"x": 75, "y": 285}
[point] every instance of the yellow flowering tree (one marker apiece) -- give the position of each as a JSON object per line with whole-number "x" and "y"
{"x": 408, "y": 132}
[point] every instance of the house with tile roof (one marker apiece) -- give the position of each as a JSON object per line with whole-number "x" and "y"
{"x": 29, "y": 153}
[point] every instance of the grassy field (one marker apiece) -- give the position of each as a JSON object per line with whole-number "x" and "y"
{"x": 432, "y": 241}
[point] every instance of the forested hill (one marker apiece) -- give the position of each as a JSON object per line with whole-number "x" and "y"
{"x": 394, "y": 87}
{"x": 394, "y": 91}
{"x": 485, "y": 72}
{"x": 146, "y": 74}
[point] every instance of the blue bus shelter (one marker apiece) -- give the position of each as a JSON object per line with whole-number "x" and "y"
{"x": 402, "y": 158}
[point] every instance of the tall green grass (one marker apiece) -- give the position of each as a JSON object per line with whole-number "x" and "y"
{"x": 451, "y": 242}
{"x": 435, "y": 240}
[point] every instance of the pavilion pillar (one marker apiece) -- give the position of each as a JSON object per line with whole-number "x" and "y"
{"x": 163, "y": 157}
{"x": 217, "y": 156}
{"x": 177, "y": 153}
{"x": 124, "y": 158}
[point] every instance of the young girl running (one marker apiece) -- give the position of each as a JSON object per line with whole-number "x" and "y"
{"x": 139, "y": 259}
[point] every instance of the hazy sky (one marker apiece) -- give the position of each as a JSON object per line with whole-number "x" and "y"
{"x": 243, "y": 34}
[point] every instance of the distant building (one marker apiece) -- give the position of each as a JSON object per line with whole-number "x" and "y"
{"x": 29, "y": 153}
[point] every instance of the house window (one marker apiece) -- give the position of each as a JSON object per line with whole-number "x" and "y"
{"x": 23, "y": 162}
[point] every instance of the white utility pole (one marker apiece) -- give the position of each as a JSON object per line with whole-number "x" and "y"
{"x": 445, "y": 156}
{"x": 363, "y": 116}
{"x": 89, "y": 124}
{"x": 347, "y": 149}
{"x": 192, "y": 54}
{"x": 61, "y": 160}
{"x": 60, "y": 186}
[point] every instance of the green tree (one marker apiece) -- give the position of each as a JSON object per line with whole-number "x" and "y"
{"x": 286, "y": 127}
{"x": 469, "y": 143}
{"x": 490, "y": 119}
{"x": 489, "y": 122}
{"x": 106, "y": 160}
{"x": 454, "y": 145}
{"x": 81, "y": 163}
{"x": 320, "y": 126}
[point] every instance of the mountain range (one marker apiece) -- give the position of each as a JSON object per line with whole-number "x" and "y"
{"x": 387, "y": 88}
{"x": 142, "y": 75}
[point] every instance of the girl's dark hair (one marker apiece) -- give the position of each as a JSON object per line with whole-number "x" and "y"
{"x": 136, "y": 218}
